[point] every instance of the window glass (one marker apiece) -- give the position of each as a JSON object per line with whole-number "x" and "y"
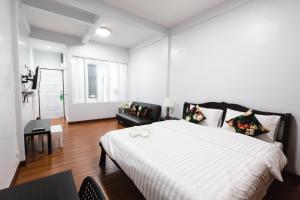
{"x": 92, "y": 81}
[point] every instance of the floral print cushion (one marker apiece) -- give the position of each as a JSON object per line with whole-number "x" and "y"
{"x": 142, "y": 111}
{"x": 247, "y": 124}
{"x": 132, "y": 110}
{"x": 194, "y": 114}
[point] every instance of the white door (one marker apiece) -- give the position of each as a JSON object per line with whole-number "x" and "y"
{"x": 51, "y": 94}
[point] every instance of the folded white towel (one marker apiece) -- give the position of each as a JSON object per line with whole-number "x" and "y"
{"x": 145, "y": 133}
{"x": 139, "y": 131}
{"x": 134, "y": 132}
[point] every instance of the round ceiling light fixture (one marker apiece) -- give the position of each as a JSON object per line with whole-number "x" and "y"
{"x": 103, "y": 31}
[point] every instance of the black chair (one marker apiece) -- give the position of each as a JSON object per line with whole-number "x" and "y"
{"x": 90, "y": 190}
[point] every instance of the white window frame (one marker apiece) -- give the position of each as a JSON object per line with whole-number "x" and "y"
{"x": 86, "y": 87}
{"x": 106, "y": 86}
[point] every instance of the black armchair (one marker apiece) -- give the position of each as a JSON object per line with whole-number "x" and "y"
{"x": 90, "y": 190}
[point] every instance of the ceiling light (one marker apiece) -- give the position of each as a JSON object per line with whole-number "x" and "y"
{"x": 48, "y": 47}
{"x": 103, "y": 31}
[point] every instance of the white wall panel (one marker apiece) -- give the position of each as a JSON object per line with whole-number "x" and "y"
{"x": 47, "y": 59}
{"x": 249, "y": 56}
{"x": 22, "y": 56}
{"x": 147, "y": 72}
{"x": 8, "y": 134}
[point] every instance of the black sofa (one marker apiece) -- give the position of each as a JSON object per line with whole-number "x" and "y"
{"x": 131, "y": 120}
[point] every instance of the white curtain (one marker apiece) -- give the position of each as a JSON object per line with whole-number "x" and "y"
{"x": 78, "y": 73}
{"x": 111, "y": 81}
{"x": 122, "y": 82}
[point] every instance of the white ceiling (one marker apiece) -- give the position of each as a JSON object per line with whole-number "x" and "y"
{"x": 131, "y": 21}
{"x": 53, "y": 22}
{"x": 166, "y": 12}
{"x": 122, "y": 34}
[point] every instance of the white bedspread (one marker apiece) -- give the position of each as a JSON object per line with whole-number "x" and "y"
{"x": 181, "y": 160}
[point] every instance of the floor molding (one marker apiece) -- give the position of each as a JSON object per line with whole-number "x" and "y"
{"x": 291, "y": 174}
{"x": 14, "y": 180}
{"x": 91, "y": 120}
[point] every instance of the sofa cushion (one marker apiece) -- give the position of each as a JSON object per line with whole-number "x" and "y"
{"x": 132, "y": 110}
{"x": 154, "y": 111}
{"x": 133, "y": 119}
{"x": 142, "y": 111}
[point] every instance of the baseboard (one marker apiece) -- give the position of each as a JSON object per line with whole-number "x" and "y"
{"x": 14, "y": 180}
{"x": 291, "y": 174}
{"x": 91, "y": 120}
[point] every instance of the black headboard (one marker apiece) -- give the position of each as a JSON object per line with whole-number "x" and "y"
{"x": 284, "y": 123}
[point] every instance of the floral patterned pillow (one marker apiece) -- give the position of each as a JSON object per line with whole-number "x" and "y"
{"x": 247, "y": 124}
{"x": 132, "y": 110}
{"x": 142, "y": 111}
{"x": 194, "y": 114}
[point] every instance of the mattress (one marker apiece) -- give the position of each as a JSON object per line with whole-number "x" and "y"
{"x": 181, "y": 160}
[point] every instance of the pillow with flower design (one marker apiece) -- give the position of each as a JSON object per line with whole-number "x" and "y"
{"x": 142, "y": 111}
{"x": 194, "y": 114}
{"x": 132, "y": 110}
{"x": 247, "y": 124}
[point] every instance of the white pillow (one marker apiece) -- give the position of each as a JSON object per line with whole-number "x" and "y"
{"x": 213, "y": 117}
{"x": 229, "y": 115}
{"x": 271, "y": 122}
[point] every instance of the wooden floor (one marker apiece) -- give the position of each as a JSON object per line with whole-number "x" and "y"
{"x": 81, "y": 155}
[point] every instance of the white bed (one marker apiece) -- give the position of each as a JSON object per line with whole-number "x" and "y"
{"x": 181, "y": 160}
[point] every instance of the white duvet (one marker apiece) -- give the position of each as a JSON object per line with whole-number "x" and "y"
{"x": 181, "y": 160}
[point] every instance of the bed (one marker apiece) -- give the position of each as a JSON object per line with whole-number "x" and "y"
{"x": 182, "y": 160}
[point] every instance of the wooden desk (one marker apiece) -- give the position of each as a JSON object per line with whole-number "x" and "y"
{"x": 56, "y": 187}
{"x": 43, "y": 123}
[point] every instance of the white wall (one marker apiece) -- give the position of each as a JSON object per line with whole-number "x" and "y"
{"x": 147, "y": 72}
{"x": 249, "y": 56}
{"x": 88, "y": 111}
{"x": 8, "y": 133}
{"x": 24, "y": 53}
{"x": 47, "y": 59}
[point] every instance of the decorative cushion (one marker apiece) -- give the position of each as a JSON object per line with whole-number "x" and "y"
{"x": 194, "y": 114}
{"x": 132, "y": 110}
{"x": 142, "y": 111}
{"x": 247, "y": 124}
{"x": 271, "y": 122}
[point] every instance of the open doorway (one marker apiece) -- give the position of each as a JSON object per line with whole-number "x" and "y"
{"x": 50, "y": 98}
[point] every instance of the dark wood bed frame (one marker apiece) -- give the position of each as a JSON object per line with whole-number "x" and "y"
{"x": 281, "y": 137}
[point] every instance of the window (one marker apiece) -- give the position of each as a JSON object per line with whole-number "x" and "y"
{"x": 92, "y": 81}
{"x": 98, "y": 81}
